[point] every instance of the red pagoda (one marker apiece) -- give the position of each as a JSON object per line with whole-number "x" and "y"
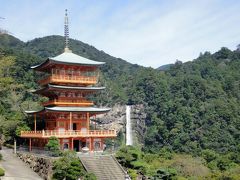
{"x": 68, "y": 113}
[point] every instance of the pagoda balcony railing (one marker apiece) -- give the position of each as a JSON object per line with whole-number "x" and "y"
{"x": 68, "y": 133}
{"x": 69, "y": 79}
{"x": 74, "y": 102}
{"x": 64, "y": 119}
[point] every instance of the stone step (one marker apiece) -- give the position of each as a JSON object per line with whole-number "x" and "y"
{"x": 104, "y": 167}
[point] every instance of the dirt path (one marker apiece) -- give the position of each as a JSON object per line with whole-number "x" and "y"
{"x": 14, "y": 168}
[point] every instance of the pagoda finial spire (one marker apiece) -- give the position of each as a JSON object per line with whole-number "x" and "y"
{"x": 66, "y": 32}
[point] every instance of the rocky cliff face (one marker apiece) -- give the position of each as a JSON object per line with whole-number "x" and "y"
{"x": 116, "y": 119}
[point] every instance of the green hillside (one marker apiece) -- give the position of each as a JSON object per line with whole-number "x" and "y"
{"x": 191, "y": 107}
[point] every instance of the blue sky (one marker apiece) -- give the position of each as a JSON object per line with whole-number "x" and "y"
{"x": 145, "y": 32}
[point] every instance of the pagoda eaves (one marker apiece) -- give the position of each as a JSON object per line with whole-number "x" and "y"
{"x": 53, "y": 88}
{"x": 68, "y": 58}
{"x": 94, "y": 110}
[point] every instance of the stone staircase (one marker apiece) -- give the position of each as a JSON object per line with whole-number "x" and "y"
{"x": 105, "y": 167}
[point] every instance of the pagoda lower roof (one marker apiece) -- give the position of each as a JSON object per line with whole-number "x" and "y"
{"x": 93, "y": 110}
{"x": 57, "y": 87}
{"x": 68, "y": 58}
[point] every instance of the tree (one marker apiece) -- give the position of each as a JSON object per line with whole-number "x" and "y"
{"x": 53, "y": 146}
{"x": 68, "y": 167}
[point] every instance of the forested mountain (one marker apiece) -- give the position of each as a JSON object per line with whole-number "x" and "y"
{"x": 164, "y": 67}
{"x": 191, "y": 107}
{"x": 194, "y": 105}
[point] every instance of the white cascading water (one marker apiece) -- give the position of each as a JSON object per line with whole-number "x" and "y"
{"x": 128, "y": 126}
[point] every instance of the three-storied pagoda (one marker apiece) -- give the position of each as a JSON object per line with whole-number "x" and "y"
{"x": 68, "y": 112}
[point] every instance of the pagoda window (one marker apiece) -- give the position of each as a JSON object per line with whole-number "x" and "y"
{"x": 61, "y": 124}
{"x": 82, "y": 116}
{"x": 70, "y": 72}
{"x": 79, "y": 95}
{"x": 78, "y": 73}
{"x": 62, "y": 94}
{"x": 75, "y": 116}
{"x": 83, "y": 124}
{"x": 61, "y": 116}
{"x": 62, "y": 72}
{"x": 57, "y": 93}
{"x": 70, "y": 94}
{"x": 73, "y": 94}
{"x": 56, "y": 71}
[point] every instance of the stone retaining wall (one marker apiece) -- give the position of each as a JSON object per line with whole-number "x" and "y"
{"x": 41, "y": 165}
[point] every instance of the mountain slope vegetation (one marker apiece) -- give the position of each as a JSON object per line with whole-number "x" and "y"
{"x": 191, "y": 107}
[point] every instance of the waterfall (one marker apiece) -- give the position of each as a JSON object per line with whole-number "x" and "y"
{"x": 128, "y": 126}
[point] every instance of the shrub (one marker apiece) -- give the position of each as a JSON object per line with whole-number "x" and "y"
{"x": 2, "y": 172}
{"x": 165, "y": 174}
{"x": 90, "y": 176}
{"x": 209, "y": 155}
{"x": 166, "y": 153}
{"x": 132, "y": 173}
{"x": 127, "y": 155}
{"x": 53, "y": 146}
{"x": 223, "y": 163}
{"x": 0, "y": 156}
{"x": 23, "y": 127}
{"x": 189, "y": 166}
{"x": 68, "y": 167}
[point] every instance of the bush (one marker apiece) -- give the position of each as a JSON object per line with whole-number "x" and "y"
{"x": 0, "y": 156}
{"x": 187, "y": 165}
{"x": 53, "y": 146}
{"x": 209, "y": 155}
{"x": 165, "y": 174}
{"x": 132, "y": 173}
{"x": 127, "y": 155}
{"x": 90, "y": 176}
{"x": 2, "y": 172}
{"x": 20, "y": 128}
{"x": 68, "y": 167}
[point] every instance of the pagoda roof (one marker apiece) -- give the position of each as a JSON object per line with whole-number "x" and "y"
{"x": 57, "y": 87}
{"x": 94, "y": 110}
{"x": 69, "y": 58}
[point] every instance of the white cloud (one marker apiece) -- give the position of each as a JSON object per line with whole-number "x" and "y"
{"x": 150, "y": 33}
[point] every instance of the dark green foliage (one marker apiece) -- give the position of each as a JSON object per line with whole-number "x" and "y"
{"x": 53, "y": 146}
{"x": 22, "y": 127}
{"x": 128, "y": 155}
{"x": 209, "y": 155}
{"x": 68, "y": 167}
{"x": 191, "y": 107}
{"x": 116, "y": 143}
{"x": 0, "y": 156}
{"x": 165, "y": 174}
{"x": 90, "y": 176}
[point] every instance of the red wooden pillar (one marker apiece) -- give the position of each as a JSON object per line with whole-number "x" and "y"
{"x": 92, "y": 144}
{"x": 101, "y": 144}
{"x": 70, "y": 121}
{"x": 89, "y": 144}
{"x": 30, "y": 144}
{"x": 88, "y": 121}
{"x": 72, "y": 144}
